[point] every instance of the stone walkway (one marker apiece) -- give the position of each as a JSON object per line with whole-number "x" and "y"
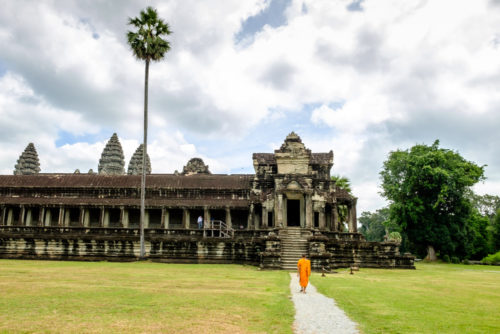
{"x": 317, "y": 314}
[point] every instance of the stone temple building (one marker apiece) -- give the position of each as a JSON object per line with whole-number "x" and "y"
{"x": 289, "y": 207}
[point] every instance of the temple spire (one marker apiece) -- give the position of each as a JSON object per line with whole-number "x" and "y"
{"x": 112, "y": 159}
{"x": 135, "y": 164}
{"x": 28, "y": 162}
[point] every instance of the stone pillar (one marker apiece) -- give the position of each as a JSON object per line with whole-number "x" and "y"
{"x": 265, "y": 223}
{"x": 21, "y": 215}
{"x": 2, "y": 216}
{"x": 81, "y": 217}
{"x": 250, "y": 217}
{"x": 9, "y": 216}
{"x": 101, "y": 217}
{"x": 48, "y": 218}
{"x": 85, "y": 217}
{"x": 60, "y": 220}
{"x": 206, "y": 216}
{"x": 40, "y": 217}
{"x": 185, "y": 218}
{"x": 66, "y": 217}
{"x": 122, "y": 216}
{"x": 146, "y": 218}
{"x": 166, "y": 218}
{"x": 353, "y": 221}
{"x": 228, "y": 217}
{"x": 29, "y": 218}
{"x": 309, "y": 211}
{"x": 335, "y": 217}
{"x": 279, "y": 211}
{"x": 322, "y": 221}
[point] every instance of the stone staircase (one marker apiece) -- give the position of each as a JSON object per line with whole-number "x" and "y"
{"x": 293, "y": 244}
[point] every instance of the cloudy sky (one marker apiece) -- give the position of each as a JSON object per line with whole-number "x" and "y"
{"x": 359, "y": 77}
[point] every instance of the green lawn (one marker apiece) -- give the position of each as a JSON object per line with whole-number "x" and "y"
{"x": 435, "y": 298}
{"x": 95, "y": 297}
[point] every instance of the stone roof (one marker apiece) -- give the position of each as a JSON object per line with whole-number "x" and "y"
{"x": 201, "y": 181}
{"x": 130, "y": 202}
{"x": 28, "y": 162}
{"x": 135, "y": 164}
{"x": 112, "y": 159}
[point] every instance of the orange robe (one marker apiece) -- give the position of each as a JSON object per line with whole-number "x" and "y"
{"x": 304, "y": 267}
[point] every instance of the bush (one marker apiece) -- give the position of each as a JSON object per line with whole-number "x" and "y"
{"x": 466, "y": 261}
{"x": 455, "y": 259}
{"x": 493, "y": 258}
{"x": 446, "y": 258}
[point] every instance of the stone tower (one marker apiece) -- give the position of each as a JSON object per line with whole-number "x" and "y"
{"x": 195, "y": 166}
{"x": 135, "y": 164}
{"x": 112, "y": 160}
{"x": 28, "y": 163}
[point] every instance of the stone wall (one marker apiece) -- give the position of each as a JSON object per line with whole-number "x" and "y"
{"x": 343, "y": 250}
{"x": 119, "y": 244}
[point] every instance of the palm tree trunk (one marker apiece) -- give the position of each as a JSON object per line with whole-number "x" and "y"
{"x": 144, "y": 155}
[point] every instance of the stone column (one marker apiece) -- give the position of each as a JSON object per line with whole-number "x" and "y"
{"x": 250, "y": 217}
{"x": 265, "y": 223}
{"x": 322, "y": 221}
{"x": 66, "y": 220}
{"x": 185, "y": 218}
{"x": 101, "y": 217}
{"x": 335, "y": 217}
{"x": 2, "y": 215}
{"x": 9, "y": 216}
{"x": 40, "y": 217}
{"x": 228, "y": 218}
{"x": 122, "y": 216}
{"x": 21, "y": 215}
{"x": 279, "y": 211}
{"x": 29, "y": 218}
{"x": 206, "y": 216}
{"x": 48, "y": 218}
{"x": 81, "y": 217}
{"x": 85, "y": 217}
{"x": 309, "y": 211}
{"x": 166, "y": 218}
{"x": 60, "y": 220}
{"x": 353, "y": 221}
{"x": 146, "y": 218}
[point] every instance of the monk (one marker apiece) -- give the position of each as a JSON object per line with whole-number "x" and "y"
{"x": 304, "y": 271}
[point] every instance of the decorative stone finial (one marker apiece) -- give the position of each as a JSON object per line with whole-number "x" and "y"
{"x": 135, "y": 164}
{"x": 77, "y": 171}
{"x": 28, "y": 162}
{"x": 195, "y": 166}
{"x": 293, "y": 144}
{"x": 112, "y": 160}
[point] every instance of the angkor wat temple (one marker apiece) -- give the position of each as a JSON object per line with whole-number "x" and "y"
{"x": 288, "y": 207}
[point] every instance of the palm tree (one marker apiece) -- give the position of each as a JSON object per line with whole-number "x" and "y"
{"x": 148, "y": 44}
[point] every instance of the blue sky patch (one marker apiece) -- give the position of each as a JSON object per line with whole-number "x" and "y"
{"x": 355, "y": 6}
{"x": 3, "y": 68}
{"x": 273, "y": 15}
{"x": 65, "y": 137}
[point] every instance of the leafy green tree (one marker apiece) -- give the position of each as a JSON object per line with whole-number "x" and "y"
{"x": 345, "y": 184}
{"x": 342, "y": 182}
{"x": 426, "y": 187}
{"x": 147, "y": 43}
{"x": 373, "y": 224}
{"x": 495, "y": 229}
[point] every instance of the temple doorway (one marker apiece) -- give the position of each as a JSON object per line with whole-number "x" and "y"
{"x": 293, "y": 212}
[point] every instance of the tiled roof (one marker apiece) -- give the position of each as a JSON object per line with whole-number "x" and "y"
{"x": 213, "y": 181}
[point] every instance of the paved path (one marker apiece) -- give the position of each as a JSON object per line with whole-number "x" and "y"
{"x": 317, "y": 314}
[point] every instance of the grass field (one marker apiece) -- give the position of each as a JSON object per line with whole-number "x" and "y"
{"x": 435, "y": 298}
{"x": 103, "y": 297}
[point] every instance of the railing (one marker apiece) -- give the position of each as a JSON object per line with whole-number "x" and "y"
{"x": 217, "y": 229}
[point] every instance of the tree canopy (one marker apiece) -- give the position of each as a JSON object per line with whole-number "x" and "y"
{"x": 427, "y": 188}
{"x": 147, "y": 42}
